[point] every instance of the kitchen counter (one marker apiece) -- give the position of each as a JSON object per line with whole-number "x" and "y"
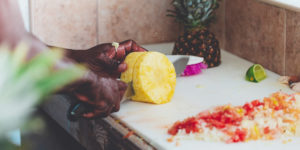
{"x": 149, "y": 123}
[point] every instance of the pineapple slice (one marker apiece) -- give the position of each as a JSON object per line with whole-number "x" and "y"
{"x": 130, "y": 61}
{"x": 153, "y": 77}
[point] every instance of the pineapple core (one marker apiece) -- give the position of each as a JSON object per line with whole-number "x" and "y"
{"x": 152, "y": 75}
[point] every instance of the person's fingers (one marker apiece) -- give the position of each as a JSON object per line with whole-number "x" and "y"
{"x": 122, "y": 67}
{"x": 109, "y": 111}
{"x": 111, "y": 52}
{"x": 102, "y": 105}
{"x": 137, "y": 48}
{"x": 114, "y": 53}
{"x": 117, "y": 107}
{"x": 81, "y": 97}
{"x": 112, "y": 57}
{"x": 99, "y": 112}
{"x": 84, "y": 99}
{"x": 95, "y": 113}
{"x": 132, "y": 46}
{"x": 107, "y": 62}
{"x": 89, "y": 115}
{"x": 122, "y": 88}
{"x": 122, "y": 85}
{"x": 120, "y": 53}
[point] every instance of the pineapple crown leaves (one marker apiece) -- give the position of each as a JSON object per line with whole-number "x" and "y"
{"x": 194, "y": 13}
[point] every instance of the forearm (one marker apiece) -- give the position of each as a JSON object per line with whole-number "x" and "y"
{"x": 11, "y": 26}
{"x": 74, "y": 55}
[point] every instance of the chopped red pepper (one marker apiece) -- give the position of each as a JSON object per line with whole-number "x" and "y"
{"x": 222, "y": 118}
{"x": 190, "y": 125}
{"x": 249, "y": 107}
{"x": 239, "y": 136}
{"x": 266, "y": 130}
{"x": 128, "y": 135}
{"x": 257, "y": 103}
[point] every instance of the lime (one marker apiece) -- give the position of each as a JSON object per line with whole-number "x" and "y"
{"x": 256, "y": 73}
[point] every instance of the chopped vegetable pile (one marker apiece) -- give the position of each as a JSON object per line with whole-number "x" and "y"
{"x": 273, "y": 117}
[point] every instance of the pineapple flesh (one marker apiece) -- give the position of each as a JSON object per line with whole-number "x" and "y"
{"x": 196, "y": 16}
{"x": 152, "y": 75}
{"x": 130, "y": 61}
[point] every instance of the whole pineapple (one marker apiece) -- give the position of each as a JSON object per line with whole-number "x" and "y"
{"x": 196, "y": 15}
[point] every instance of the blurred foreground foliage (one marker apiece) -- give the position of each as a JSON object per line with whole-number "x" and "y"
{"x": 25, "y": 83}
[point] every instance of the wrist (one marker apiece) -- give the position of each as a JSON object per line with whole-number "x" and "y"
{"x": 76, "y": 55}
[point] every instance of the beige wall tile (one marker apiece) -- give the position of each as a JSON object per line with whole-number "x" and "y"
{"x": 255, "y": 31}
{"x": 292, "y": 63}
{"x": 141, "y": 20}
{"x": 65, "y": 23}
{"x": 218, "y": 28}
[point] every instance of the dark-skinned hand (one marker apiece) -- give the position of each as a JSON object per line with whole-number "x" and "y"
{"x": 99, "y": 88}
{"x": 104, "y": 59}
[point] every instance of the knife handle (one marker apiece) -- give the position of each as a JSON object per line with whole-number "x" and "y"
{"x": 76, "y": 111}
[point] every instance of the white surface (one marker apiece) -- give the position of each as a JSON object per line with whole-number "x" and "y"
{"x": 216, "y": 86}
{"x": 289, "y": 4}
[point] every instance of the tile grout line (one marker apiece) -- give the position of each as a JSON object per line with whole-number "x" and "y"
{"x": 284, "y": 43}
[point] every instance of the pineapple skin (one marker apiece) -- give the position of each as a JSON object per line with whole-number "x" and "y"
{"x": 196, "y": 16}
{"x": 199, "y": 42}
{"x": 153, "y": 77}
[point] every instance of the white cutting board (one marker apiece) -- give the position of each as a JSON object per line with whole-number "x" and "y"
{"x": 216, "y": 86}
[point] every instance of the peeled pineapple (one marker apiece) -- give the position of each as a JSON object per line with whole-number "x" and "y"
{"x": 152, "y": 75}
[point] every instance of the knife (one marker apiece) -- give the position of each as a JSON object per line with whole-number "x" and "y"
{"x": 179, "y": 62}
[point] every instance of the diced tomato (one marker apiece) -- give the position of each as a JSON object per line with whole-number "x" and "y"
{"x": 189, "y": 125}
{"x": 239, "y": 136}
{"x": 256, "y": 103}
{"x": 293, "y": 98}
{"x": 217, "y": 124}
{"x": 248, "y": 108}
{"x": 174, "y": 129}
{"x": 266, "y": 130}
{"x": 278, "y": 107}
{"x": 222, "y": 118}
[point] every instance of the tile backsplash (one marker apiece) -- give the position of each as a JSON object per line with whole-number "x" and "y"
{"x": 80, "y": 24}
{"x": 292, "y": 57}
{"x": 85, "y": 23}
{"x": 142, "y": 20}
{"x": 256, "y": 31}
{"x": 264, "y": 34}
{"x": 65, "y": 23}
